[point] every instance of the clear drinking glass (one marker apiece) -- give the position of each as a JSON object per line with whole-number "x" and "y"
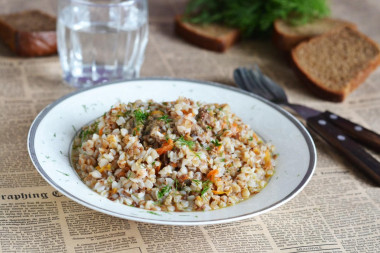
{"x": 101, "y": 40}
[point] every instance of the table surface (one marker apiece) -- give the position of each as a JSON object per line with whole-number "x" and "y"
{"x": 325, "y": 205}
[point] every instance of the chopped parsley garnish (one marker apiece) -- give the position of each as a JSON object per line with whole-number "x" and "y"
{"x": 129, "y": 175}
{"x": 196, "y": 181}
{"x": 89, "y": 131}
{"x": 209, "y": 127}
{"x": 182, "y": 141}
{"x": 151, "y": 212}
{"x": 140, "y": 116}
{"x": 205, "y": 186}
{"x": 163, "y": 191}
{"x": 208, "y": 148}
{"x": 250, "y": 138}
{"x": 63, "y": 173}
{"x": 216, "y": 143}
{"x": 165, "y": 118}
{"x": 177, "y": 184}
{"x": 126, "y": 113}
{"x": 85, "y": 108}
{"x": 224, "y": 159}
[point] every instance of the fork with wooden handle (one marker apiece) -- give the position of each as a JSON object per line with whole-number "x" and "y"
{"x": 332, "y": 128}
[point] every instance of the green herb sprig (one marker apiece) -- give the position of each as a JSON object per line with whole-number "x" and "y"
{"x": 181, "y": 140}
{"x": 254, "y": 17}
{"x": 140, "y": 116}
{"x": 165, "y": 118}
{"x": 216, "y": 143}
{"x": 85, "y": 133}
{"x": 205, "y": 187}
{"x": 163, "y": 191}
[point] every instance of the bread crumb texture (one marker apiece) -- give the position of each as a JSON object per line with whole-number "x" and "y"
{"x": 336, "y": 58}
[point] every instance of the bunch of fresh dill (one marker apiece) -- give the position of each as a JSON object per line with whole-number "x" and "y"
{"x": 255, "y": 16}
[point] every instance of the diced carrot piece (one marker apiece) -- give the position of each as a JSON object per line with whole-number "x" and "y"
{"x": 167, "y": 146}
{"x": 101, "y": 169}
{"x": 211, "y": 175}
{"x": 219, "y": 192}
{"x": 101, "y": 131}
{"x": 267, "y": 160}
{"x": 183, "y": 178}
{"x": 235, "y": 128}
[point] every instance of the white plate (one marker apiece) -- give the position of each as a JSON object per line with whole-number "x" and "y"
{"x": 53, "y": 129}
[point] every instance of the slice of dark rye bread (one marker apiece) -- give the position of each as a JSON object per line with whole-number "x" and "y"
{"x": 209, "y": 36}
{"x": 29, "y": 33}
{"x": 287, "y": 36}
{"x": 336, "y": 63}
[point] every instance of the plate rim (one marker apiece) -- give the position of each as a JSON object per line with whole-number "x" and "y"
{"x": 305, "y": 134}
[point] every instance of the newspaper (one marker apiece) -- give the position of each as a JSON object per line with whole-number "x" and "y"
{"x": 338, "y": 211}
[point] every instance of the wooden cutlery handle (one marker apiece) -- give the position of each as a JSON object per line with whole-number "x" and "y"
{"x": 348, "y": 147}
{"x": 356, "y": 131}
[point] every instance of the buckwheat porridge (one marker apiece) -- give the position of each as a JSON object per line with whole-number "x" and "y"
{"x": 172, "y": 156}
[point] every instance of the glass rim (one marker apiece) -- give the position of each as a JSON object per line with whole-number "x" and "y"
{"x": 87, "y": 2}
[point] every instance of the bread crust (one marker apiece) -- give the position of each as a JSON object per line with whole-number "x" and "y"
{"x": 324, "y": 92}
{"x": 286, "y": 42}
{"x": 217, "y": 44}
{"x": 29, "y": 44}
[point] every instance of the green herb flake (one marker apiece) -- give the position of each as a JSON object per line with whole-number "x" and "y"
{"x": 163, "y": 191}
{"x": 209, "y": 127}
{"x": 177, "y": 184}
{"x": 216, "y": 143}
{"x": 129, "y": 175}
{"x": 250, "y": 138}
{"x": 140, "y": 116}
{"x": 63, "y": 173}
{"x": 85, "y": 108}
{"x": 205, "y": 187}
{"x": 181, "y": 140}
{"x": 151, "y": 212}
{"x": 165, "y": 118}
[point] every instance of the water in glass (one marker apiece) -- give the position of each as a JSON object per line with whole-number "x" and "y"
{"x": 99, "y": 44}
